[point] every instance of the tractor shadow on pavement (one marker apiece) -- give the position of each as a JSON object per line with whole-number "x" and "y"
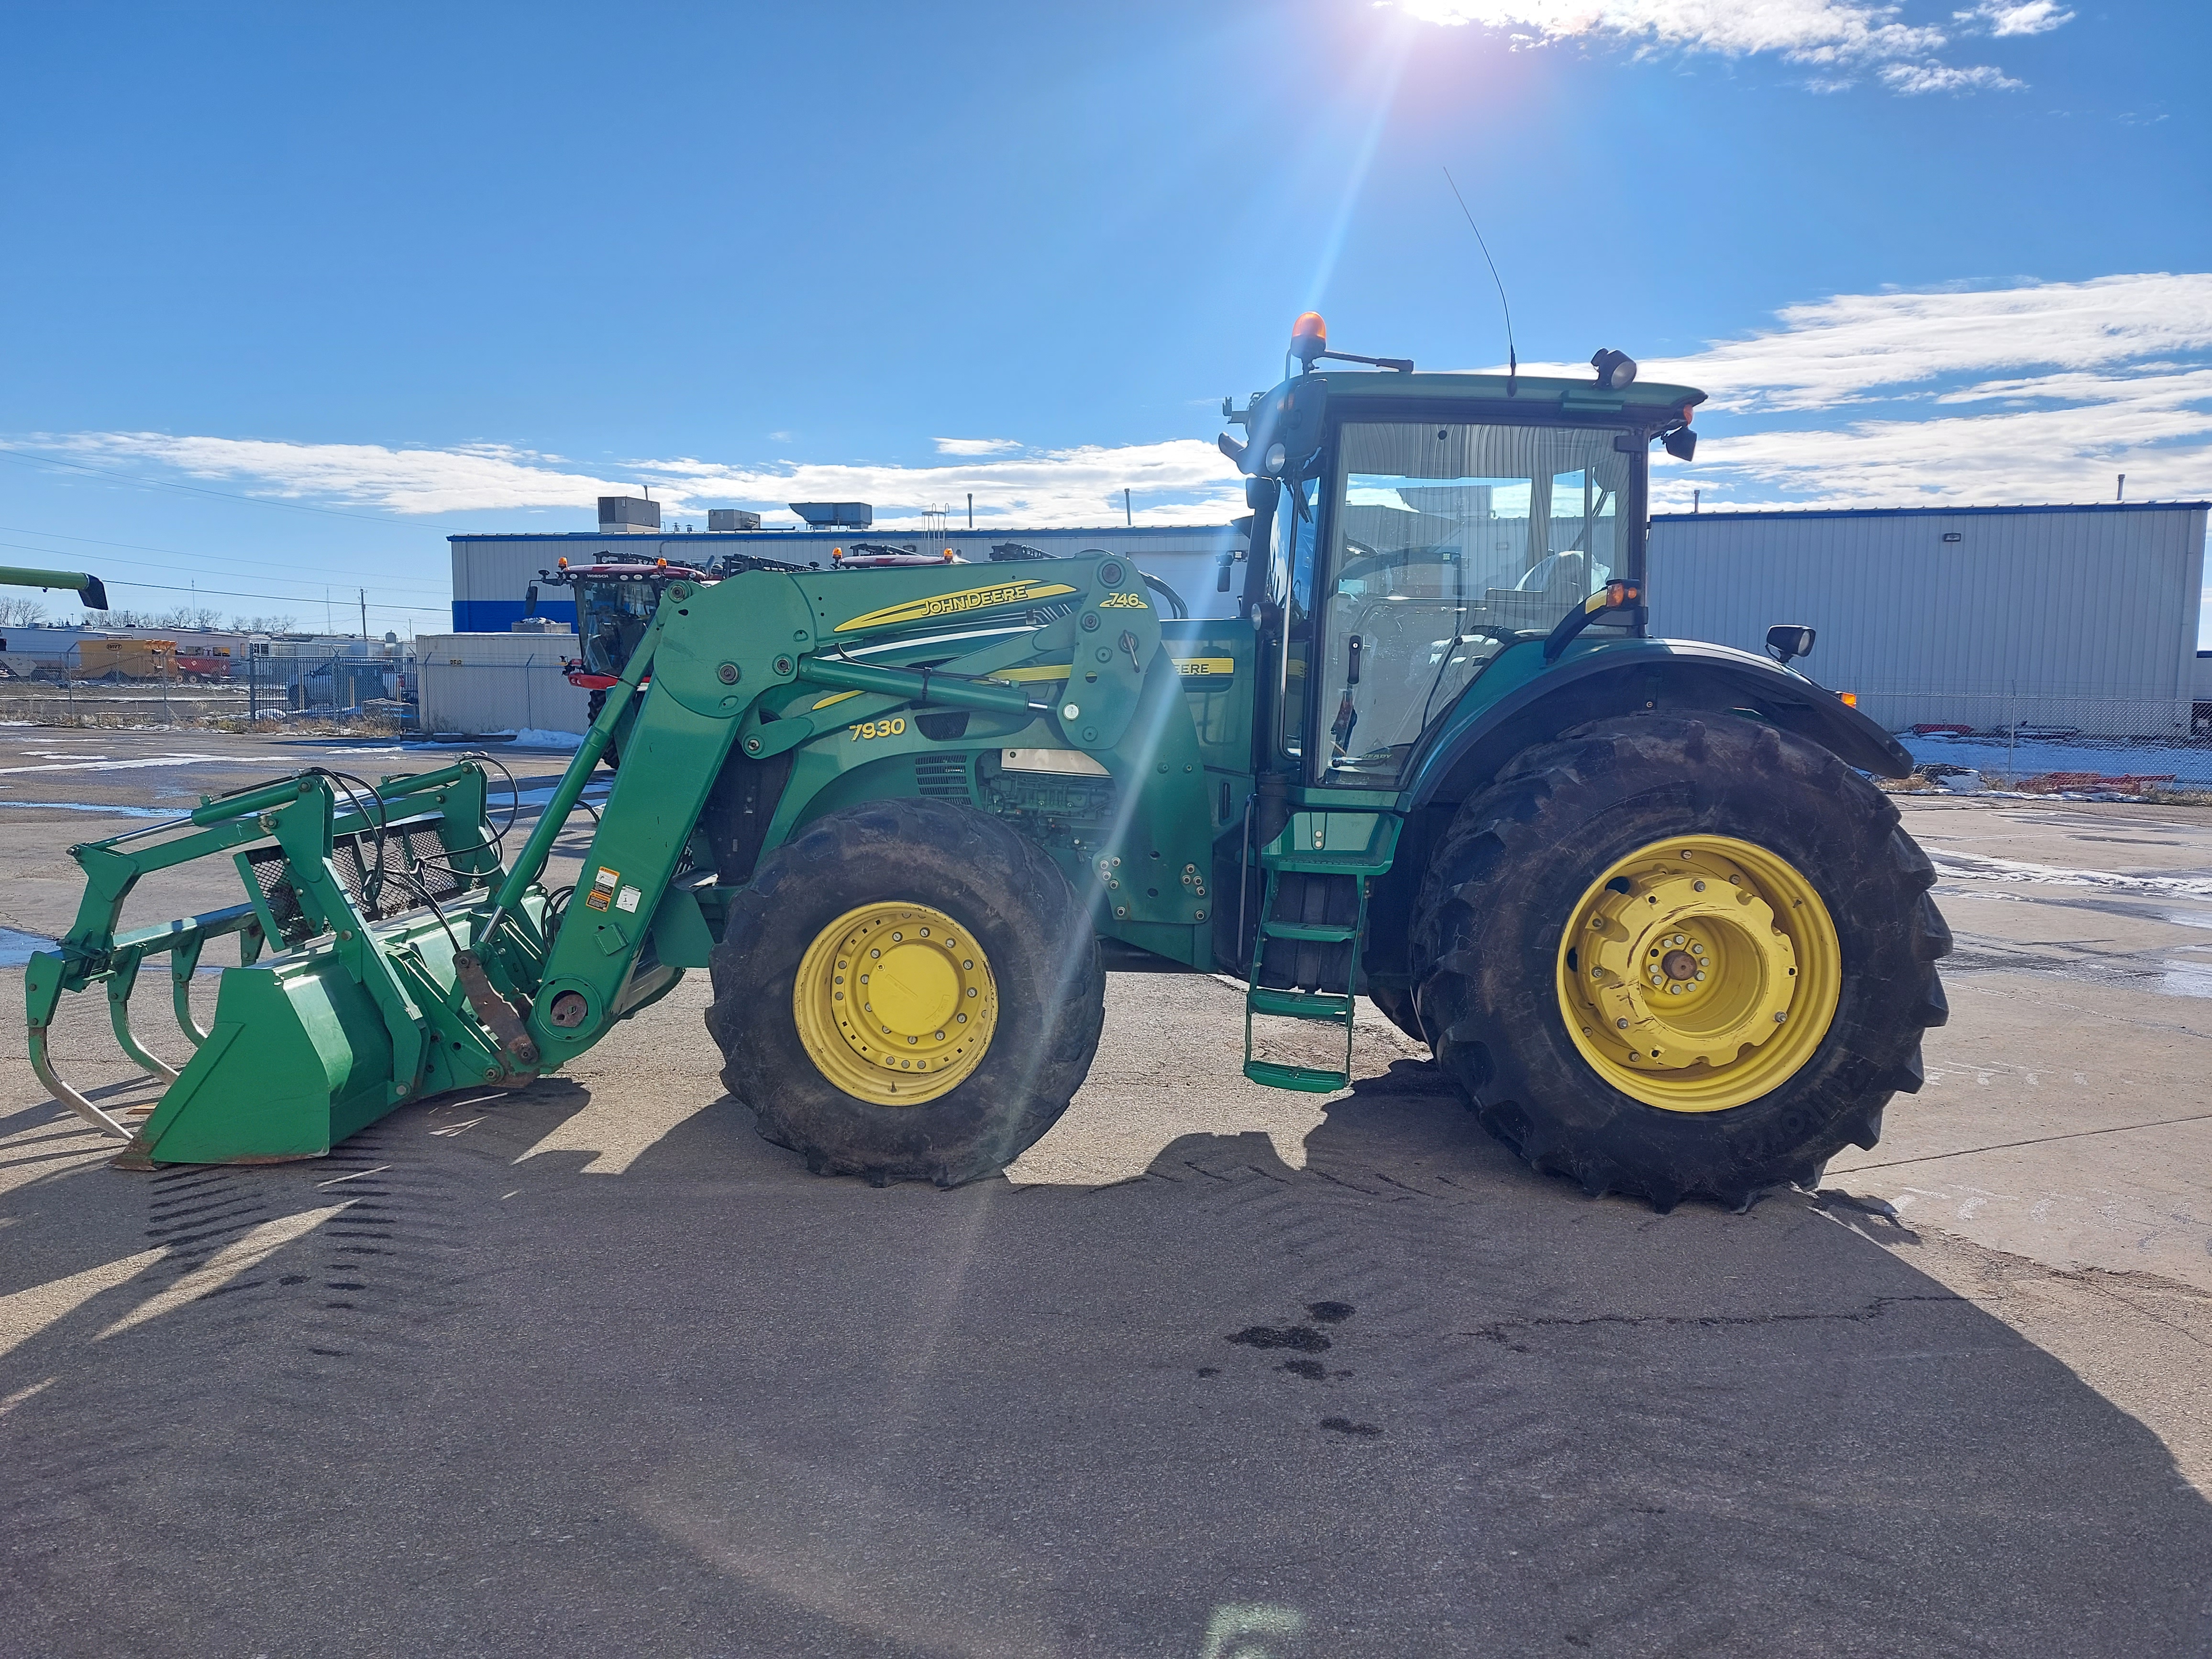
{"x": 519, "y": 1394}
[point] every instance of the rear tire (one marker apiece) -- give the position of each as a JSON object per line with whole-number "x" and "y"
{"x": 1396, "y": 1002}
{"x": 1491, "y": 955}
{"x": 884, "y": 869}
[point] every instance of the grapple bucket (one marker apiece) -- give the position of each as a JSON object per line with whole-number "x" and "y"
{"x": 356, "y": 987}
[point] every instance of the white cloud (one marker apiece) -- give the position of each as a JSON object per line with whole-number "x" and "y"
{"x": 1837, "y": 36}
{"x": 1914, "y": 78}
{"x": 473, "y": 477}
{"x": 1181, "y": 480}
{"x": 2035, "y": 392}
{"x": 2039, "y": 392}
{"x": 2016, "y": 16}
{"x": 1835, "y": 351}
{"x": 975, "y": 445}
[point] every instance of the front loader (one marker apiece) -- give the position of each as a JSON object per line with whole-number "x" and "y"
{"x": 1637, "y": 895}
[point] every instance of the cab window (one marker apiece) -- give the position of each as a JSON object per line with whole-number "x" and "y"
{"x": 1447, "y": 542}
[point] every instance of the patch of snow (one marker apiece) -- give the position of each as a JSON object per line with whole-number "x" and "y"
{"x": 1974, "y": 867}
{"x": 88, "y": 807}
{"x": 100, "y": 763}
{"x": 537, "y": 737}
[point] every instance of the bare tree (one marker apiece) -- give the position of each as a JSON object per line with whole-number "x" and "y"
{"x": 21, "y": 612}
{"x": 190, "y": 618}
{"x": 264, "y": 625}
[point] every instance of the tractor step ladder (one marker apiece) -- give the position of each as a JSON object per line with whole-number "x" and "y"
{"x": 1353, "y": 847}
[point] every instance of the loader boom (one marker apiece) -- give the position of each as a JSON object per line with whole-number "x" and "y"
{"x": 769, "y": 664}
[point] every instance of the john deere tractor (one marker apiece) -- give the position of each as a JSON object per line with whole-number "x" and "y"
{"x": 1637, "y": 896}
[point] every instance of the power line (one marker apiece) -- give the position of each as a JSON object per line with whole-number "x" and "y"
{"x": 174, "y": 553}
{"x": 25, "y": 547}
{"x": 234, "y": 594}
{"x": 196, "y": 490}
{"x": 278, "y": 598}
{"x": 110, "y": 562}
{"x": 107, "y": 564}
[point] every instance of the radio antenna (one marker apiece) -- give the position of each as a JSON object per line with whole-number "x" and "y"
{"x": 1512, "y": 357}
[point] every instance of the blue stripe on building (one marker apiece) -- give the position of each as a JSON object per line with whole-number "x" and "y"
{"x": 499, "y": 615}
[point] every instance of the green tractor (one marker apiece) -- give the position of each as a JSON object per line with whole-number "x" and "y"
{"x": 1637, "y": 895}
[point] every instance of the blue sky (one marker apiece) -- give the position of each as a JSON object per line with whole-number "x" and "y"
{"x": 292, "y": 293}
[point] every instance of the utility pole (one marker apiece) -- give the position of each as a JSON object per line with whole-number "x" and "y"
{"x": 1128, "y": 512}
{"x": 363, "y": 593}
{"x": 971, "y": 509}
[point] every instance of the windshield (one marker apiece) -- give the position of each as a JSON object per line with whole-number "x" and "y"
{"x": 612, "y": 616}
{"x": 1448, "y": 541}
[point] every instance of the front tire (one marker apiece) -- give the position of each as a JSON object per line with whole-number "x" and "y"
{"x": 908, "y": 991}
{"x": 1679, "y": 956}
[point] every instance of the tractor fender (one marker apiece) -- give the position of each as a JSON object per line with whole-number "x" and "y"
{"x": 1681, "y": 676}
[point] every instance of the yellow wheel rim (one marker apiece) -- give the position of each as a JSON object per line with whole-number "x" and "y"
{"x": 1699, "y": 973}
{"x": 895, "y": 1003}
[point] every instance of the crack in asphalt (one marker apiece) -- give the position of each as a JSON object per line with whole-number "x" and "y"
{"x": 2038, "y": 1141}
{"x": 1501, "y": 1332}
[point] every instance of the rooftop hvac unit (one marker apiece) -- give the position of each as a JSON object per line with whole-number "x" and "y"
{"x": 732, "y": 518}
{"x": 627, "y": 515}
{"x": 835, "y": 515}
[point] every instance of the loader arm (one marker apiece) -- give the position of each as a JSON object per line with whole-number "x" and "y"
{"x": 405, "y": 961}
{"x": 1066, "y": 656}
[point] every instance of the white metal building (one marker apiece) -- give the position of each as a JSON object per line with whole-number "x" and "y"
{"x": 1984, "y": 616}
{"x": 492, "y": 573}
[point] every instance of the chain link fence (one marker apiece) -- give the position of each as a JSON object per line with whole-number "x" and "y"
{"x": 258, "y": 689}
{"x": 2053, "y": 740}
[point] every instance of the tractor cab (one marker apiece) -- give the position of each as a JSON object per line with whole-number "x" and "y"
{"x": 1410, "y": 530}
{"x": 615, "y": 603}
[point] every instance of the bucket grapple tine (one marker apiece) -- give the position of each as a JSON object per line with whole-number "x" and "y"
{"x": 43, "y": 980}
{"x": 184, "y": 963}
{"x": 42, "y": 1064}
{"x": 122, "y": 979}
{"x": 183, "y": 942}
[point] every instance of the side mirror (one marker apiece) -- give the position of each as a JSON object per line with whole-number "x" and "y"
{"x": 1788, "y": 640}
{"x": 1681, "y": 443}
{"x": 1221, "y": 572}
{"x": 530, "y": 602}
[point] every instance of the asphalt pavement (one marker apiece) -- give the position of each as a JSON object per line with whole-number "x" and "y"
{"x": 591, "y": 1368}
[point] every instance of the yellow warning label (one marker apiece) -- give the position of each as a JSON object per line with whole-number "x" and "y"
{"x": 1195, "y": 668}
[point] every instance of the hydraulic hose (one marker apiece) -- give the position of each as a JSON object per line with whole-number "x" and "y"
{"x": 530, "y": 863}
